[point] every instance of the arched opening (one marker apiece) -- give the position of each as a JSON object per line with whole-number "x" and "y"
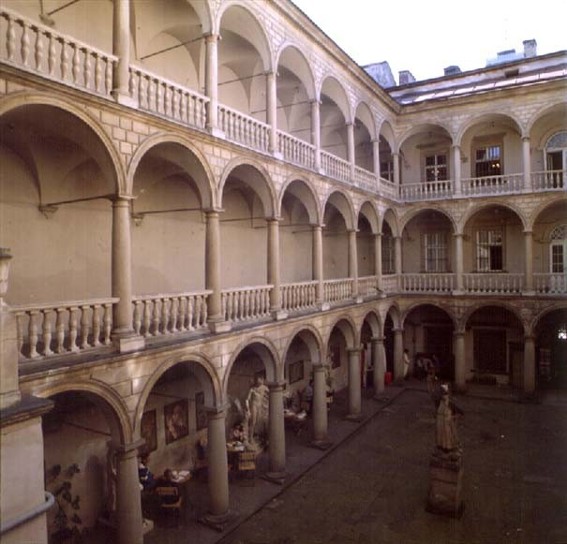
{"x": 551, "y": 350}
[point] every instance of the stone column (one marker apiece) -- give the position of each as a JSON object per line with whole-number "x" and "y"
{"x": 123, "y": 332}
{"x": 274, "y": 269}
{"x": 318, "y": 265}
{"x": 272, "y": 111}
{"x": 213, "y": 274}
{"x": 529, "y": 365}
{"x": 459, "y": 264}
{"x": 526, "y": 163}
{"x": 219, "y": 514}
{"x": 211, "y": 83}
{"x": 353, "y": 263}
{"x": 457, "y": 189}
{"x": 128, "y": 496}
{"x": 379, "y": 356}
{"x": 320, "y": 416}
{"x": 276, "y": 430}
{"x": 121, "y": 49}
{"x": 459, "y": 351}
{"x": 376, "y": 158}
{"x": 398, "y": 354}
{"x": 351, "y": 153}
{"x": 378, "y": 260}
{"x": 528, "y": 263}
{"x": 316, "y": 132}
{"x": 354, "y": 385}
{"x": 396, "y": 164}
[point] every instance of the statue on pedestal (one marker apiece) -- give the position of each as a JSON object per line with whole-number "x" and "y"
{"x": 256, "y": 404}
{"x": 446, "y": 426}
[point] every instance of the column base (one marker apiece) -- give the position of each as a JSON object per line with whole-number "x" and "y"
{"x": 278, "y": 155}
{"x": 458, "y": 292}
{"x": 325, "y": 307}
{"x": 125, "y": 99}
{"x": 529, "y": 293}
{"x": 320, "y": 444}
{"x": 358, "y": 299}
{"x": 129, "y": 343}
{"x": 217, "y": 327}
{"x": 218, "y": 522}
{"x": 355, "y": 418}
{"x": 275, "y": 477}
{"x": 216, "y": 132}
{"x": 279, "y": 315}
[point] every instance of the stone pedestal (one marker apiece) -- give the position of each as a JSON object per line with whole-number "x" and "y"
{"x": 445, "y": 486}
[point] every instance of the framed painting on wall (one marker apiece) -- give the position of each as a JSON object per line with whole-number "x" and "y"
{"x": 149, "y": 430}
{"x": 296, "y": 371}
{"x": 176, "y": 416}
{"x": 200, "y": 413}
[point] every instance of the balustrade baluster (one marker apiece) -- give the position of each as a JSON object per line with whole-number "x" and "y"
{"x": 39, "y": 48}
{"x": 160, "y": 99}
{"x": 87, "y": 69}
{"x": 167, "y": 100}
{"x": 165, "y": 315}
{"x": 151, "y": 94}
{"x": 10, "y": 38}
{"x": 73, "y": 329}
{"x": 143, "y": 92}
{"x": 173, "y": 312}
{"x": 156, "y": 317}
{"x": 147, "y": 322}
{"x": 64, "y": 58}
{"x": 137, "y": 317}
{"x": 76, "y": 63}
{"x": 107, "y": 323}
{"x": 96, "y": 325}
{"x": 20, "y": 316}
{"x": 190, "y": 311}
{"x": 98, "y": 75}
{"x": 46, "y": 332}
{"x": 85, "y": 327}
{"x": 198, "y": 311}
{"x": 182, "y": 309}
{"x": 33, "y": 334}
{"x": 108, "y": 76}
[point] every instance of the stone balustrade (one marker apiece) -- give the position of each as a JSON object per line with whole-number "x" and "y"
{"x": 365, "y": 180}
{"x": 296, "y": 151}
{"x": 367, "y": 286}
{"x": 493, "y": 283}
{"x": 390, "y": 284}
{"x": 158, "y": 315}
{"x": 48, "y": 330}
{"x": 168, "y": 99}
{"x": 427, "y": 190}
{"x": 337, "y": 290}
{"x": 299, "y": 296}
{"x": 493, "y": 185}
{"x": 428, "y": 283}
{"x": 243, "y": 129}
{"x": 552, "y": 180}
{"x": 335, "y": 167}
{"x": 246, "y": 303}
{"x": 551, "y": 284}
{"x": 38, "y": 48}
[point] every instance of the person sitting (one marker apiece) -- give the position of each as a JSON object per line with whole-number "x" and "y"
{"x": 238, "y": 434}
{"x": 145, "y": 475}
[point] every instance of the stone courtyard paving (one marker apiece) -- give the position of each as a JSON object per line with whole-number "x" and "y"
{"x": 373, "y": 487}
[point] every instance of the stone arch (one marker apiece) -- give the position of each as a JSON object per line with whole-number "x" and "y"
{"x": 338, "y": 94}
{"x": 372, "y": 317}
{"x": 390, "y": 216}
{"x": 260, "y": 182}
{"x": 104, "y": 397}
{"x": 305, "y": 71}
{"x": 268, "y": 353}
{"x": 342, "y": 202}
{"x": 199, "y": 365}
{"x": 506, "y": 118}
{"x": 385, "y": 131}
{"x": 26, "y": 99}
{"x": 312, "y": 339}
{"x": 559, "y": 110}
{"x": 205, "y": 181}
{"x": 437, "y": 127}
{"x": 412, "y": 214}
{"x": 368, "y": 209}
{"x": 543, "y": 312}
{"x": 395, "y": 313}
{"x": 303, "y": 189}
{"x": 478, "y": 305}
{"x": 542, "y": 206}
{"x": 348, "y": 328}
{"x": 477, "y": 207}
{"x": 366, "y": 117}
{"x": 407, "y": 311}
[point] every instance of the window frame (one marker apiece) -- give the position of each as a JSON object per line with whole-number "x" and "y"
{"x": 489, "y": 244}
{"x": 438, "y": 242}
{"x": 436, "y": 154}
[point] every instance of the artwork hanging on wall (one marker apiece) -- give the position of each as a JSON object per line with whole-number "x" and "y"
{"x": 296, "y": 371}
{"x": 149, "y": 430}
{"x": 200, "y": 413}
{"x": 176, "y": 417}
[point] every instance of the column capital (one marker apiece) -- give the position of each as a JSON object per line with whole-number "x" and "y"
{"x": 131, "y": 448}
{"x": 528, "y": 232}
{"x": 211, "y": 37}
{"x": 276, "y": 385}
{"x": 459, "y": 333}
{"x": 377, "y": 339}
{"x": 353, "y": 350}
{"x": 217, "y": 410}
{"x": 458, "y": 234}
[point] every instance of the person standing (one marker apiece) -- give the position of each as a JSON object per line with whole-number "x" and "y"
{"x": 406, "y": 359}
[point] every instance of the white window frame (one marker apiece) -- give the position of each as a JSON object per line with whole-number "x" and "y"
{"x": 486, "y": 239}
{"x": 435, "y": 252}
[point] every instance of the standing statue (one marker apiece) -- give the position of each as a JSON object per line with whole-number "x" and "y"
{"x": 256, "y": 407}
{"x": 447, "y": 411}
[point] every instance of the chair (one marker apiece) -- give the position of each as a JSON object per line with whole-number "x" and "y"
{"x": 247, "y": 465}
{"x": 169, "y": 500}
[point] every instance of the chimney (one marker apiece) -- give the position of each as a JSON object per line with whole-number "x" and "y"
{"x": 406, "y": 77}
{"x": 530, "y": 48}
{"x": 452, "y": 70}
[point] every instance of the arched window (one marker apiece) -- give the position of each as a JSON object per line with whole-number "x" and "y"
{"x": 556, "y": 152}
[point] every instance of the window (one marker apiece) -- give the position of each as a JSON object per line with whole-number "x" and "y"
{"x": 488, "y": 161}
{"x": 388, "y": 253}
{"x": 436, "y": 167}
{"x": 489, "y": 250}
{"x": 559, "y": 249}
{"x": 435, "y": 252}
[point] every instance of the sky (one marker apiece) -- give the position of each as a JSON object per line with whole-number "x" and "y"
{"x": 426, "y": 36}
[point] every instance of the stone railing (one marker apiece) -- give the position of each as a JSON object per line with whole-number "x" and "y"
{"x": 156, "y": 315}
{"x": 367, "y": 286}
{"x": 427, "y": 190}
{"x": 337, "y": 290}
{"x": 388, "y": 188}
{"x": 552, "y": 180}
{"x": 246, "y": 303}
{"x": 550, "y": 284}
{"x": 427, "y": 283}
{"x": 243, "y": 129}
{"x": 491, "y": 283}
{"x": 389, "y": 283}
{"x": 296, "y": 151}
{"x": 335, "y": 167}
{"x": 365, "y": 180}
{"x": 493, "y": 185}
{"x": 168, "y": 99}
{"x": 299, "y": 296}
{"x": 48, "y": 330}
{"x": 38, "y": 48}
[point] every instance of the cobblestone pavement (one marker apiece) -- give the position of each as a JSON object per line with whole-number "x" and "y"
{"x": 373, "y": 487}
